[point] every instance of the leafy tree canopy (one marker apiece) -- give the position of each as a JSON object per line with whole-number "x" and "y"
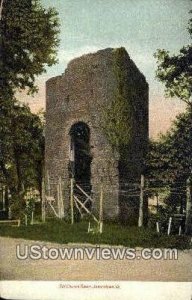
{"x": 170, "y": 159}
{"x": 21, "y": 149}
{"x": 28, "y": 44}
{"x": 175, "y": 71}
{"x": 29, "y": 38}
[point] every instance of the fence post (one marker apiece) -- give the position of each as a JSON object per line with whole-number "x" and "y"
{"x": 72, "y": 200}
{"x": 188, "y": 221}
{"x": 26, "y": 220}
{"x": 157, "y": 227}
{"x": 157, "y": 202}
{"x": 48, "y": 184}
{"x": 140, "y": 221}
{"x": 180, "y": 230}
{"x": 32, "y": 218}
{"x": 61, "y": 198}
{"x": 3, "y": 195}
{"x": 101, "y": 210}
{"x": 58, "y": 201}
{"x": 89, "y": 227}
{"x": 169, "y": 226}
{"x": 43, "y": 200}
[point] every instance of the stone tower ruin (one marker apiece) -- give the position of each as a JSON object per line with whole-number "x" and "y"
{"x": 75, "y": 104}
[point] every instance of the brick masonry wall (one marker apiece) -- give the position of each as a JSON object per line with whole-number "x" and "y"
{"x": 80, "y": 94}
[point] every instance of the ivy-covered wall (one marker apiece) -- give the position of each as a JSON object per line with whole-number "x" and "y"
{"x": 116, "y": 116}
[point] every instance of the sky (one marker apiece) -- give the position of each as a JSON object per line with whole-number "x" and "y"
{"x": 141, "y": 26}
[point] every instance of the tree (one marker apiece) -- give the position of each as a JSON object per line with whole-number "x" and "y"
{"x": 28, "y": 43}
{"x": 22, "y": 150}
{"x": 176, "y": 71}
{"x": 171, "y": 156}
{"x": 170, "y": 160}
{"x": 174, "y": 149}
{"x": 1, "y": 7}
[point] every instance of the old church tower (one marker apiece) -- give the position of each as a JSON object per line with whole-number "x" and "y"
{"x": 76, "y": 142}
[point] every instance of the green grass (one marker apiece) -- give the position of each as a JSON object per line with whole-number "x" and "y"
{"x": 114, "y": 234}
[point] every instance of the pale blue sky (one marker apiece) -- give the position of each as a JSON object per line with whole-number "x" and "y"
{"x": 141, "y": 26}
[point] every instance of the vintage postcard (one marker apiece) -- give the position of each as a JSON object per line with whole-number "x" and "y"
{"x": 96, "y": 149}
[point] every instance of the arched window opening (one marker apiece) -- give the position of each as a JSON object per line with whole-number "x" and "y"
{"x": 80, "y": 158}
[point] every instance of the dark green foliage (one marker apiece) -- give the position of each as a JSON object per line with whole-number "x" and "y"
{"x": 22, "y": 151}
{"x": 29, "y": 38}
{"x": 162, "y": 217}
{"x": 117, "y": 120}
{"x": 176, "y": 71}
{"x": 28, "y": 43}
{"x": 170, "y": 162}
{"x": 170, "y": 158}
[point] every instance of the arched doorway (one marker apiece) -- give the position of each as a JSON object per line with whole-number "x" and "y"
{"x": 80, "y": 157}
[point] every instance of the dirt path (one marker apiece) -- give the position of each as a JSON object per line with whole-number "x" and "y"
{"x": 12, "y": 268}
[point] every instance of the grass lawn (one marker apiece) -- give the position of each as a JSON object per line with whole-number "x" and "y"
{"x": 113, "y": 234}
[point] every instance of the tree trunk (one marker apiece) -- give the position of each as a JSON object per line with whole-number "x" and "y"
{"x": 18, "y": 171}
{"x": 188, "y": 222}
{"x": 8, "y": 179}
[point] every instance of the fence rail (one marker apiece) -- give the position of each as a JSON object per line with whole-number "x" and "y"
{"x": 81, "y": 200}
